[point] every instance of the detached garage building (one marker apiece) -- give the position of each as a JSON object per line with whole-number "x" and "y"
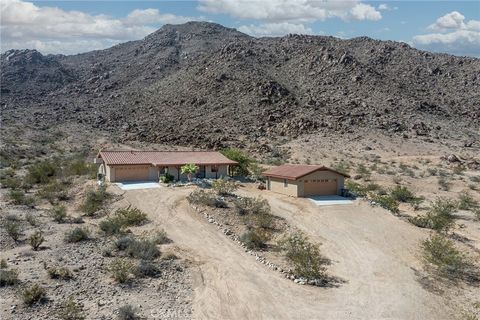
{"x": 305, "y": 180}
{"x": 122, "y": 166}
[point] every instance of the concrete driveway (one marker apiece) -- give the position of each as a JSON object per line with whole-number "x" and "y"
{"x": 329, "y": 200}
{"x": 137, "y": 185}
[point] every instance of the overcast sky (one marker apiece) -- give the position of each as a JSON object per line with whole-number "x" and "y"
{"x": 70, "y": 27}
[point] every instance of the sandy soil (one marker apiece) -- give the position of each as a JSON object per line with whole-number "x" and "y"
{"x": 373, "y": 251}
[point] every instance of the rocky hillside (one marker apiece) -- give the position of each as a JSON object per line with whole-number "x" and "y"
{"x": 205, "y": 85}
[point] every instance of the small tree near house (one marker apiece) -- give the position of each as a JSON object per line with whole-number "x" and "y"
{"x": 189, "y": 170}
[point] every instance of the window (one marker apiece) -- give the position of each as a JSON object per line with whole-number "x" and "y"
{"x": 285, "y": 183}
{"x": 214, "y": 168}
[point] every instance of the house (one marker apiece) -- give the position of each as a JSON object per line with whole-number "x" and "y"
{"x": 118, "y": 166}
{"x": 305, "y": 180}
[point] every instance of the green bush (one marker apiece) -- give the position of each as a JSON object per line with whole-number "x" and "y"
{"x": 242, "y": 159}
{"x": 402, "y": 194}
{"x": 249, "y": 205}
{"x": 13, "y": 229}
{"x": 3, "y": 264}
{"x": 11, "y": 182}
{"x": 161, "y": 237}
{"x": 58, "y": 272}
{"x": 224, "y": 187}
{"x": 121, "y": 269}
{"x": 363, "y": 172}
{"x": 58, "y": 213}
{"x": 70, "y": 310}
{"x": 128, "y": 312}
{"x": 146, "y": 269}
{"x": 76, "y": 235}
{"x": 254, "y": 239}
{"x": 41, "y": 172}
{"x": 8, "y": 277}
{"x": 356, "y": 188}
{"x": 256, "y": 172}
{"x": 19, "y": 197}
{"x": 166, "y": 178}
{"x": 466, "y": 202}
{"x": 78, "y": 167}
{"x": 111, "y": 226}
{"x": 441, "y": 253}
{"x": 386, "y": 202}
{"x": 124, "y": 242}
{"x": 305, "y": 256}
{"x": 444, "y": 184}
{"x": 55, "y": 191}
{"x": 205, "y": 198}
{"x": 95, "y": 200}
{"x": 36, "y": 240}
{"x": 130, "y": 216}
{"x": 439, "y": 216}
{"x": 143, "y": 249}
{"x": 30, "y": 218}
{"x": 342, "y": 167}
{"x": 33, "y": 294}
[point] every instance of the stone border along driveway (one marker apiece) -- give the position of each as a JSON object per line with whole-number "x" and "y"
{"x": 287, "y": 273}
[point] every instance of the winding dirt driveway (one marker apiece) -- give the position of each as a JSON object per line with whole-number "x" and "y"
{"x": 370, "y": 249}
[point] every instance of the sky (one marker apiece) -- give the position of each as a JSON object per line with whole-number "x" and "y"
{"x": 70, "y": 27}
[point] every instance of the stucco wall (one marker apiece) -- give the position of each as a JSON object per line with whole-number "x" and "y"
{"x": 278, "y": 185}
{"x": 318, "y": 175}
{"x": 222, "y": 172}
{"x": 110, "y": 174}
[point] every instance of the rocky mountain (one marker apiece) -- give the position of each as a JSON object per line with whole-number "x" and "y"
{"x": 205, "y": 85}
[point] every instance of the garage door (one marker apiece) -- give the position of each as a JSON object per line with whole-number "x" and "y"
{"x": 321, "y": 187}
{"x": 131, "y": 173}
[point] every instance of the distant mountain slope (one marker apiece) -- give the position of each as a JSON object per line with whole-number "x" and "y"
{"x": 205, "y": 85}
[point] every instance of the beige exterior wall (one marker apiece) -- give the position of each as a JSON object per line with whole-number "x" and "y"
{"x": 153, "y": 172}
{"x": 319, "y": 175}
{"x": 278, "y": 185}
{"x": 295, "y": 188}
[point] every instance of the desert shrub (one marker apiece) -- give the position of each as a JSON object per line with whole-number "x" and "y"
{"x": 41, "y": 172}
{"x": 76, "y": 235}
{"x": 13, "y": 229}
{"x": 33, "y": 294}
{"x": 130, "y": 216}
{"x": 55, "y": 272}
{"x": 146, "y": 269}
{"x": 143, "y": 249}
{"x": 242, "y": 159}
{"x": 254, "y": 239}
{"x": 3, "y": 264}
{"x": 442, "y": 254}
{"x": 78, "y": 167}
{"x": 121, "y": 269}
{"x": 8, "y": 277}
{"x": 123, "y": 243}
{"x": 444, "y": 184}
{"x": 256, "y": 172}
{"x": 356, "y": 188}
{"x": 161, "y": 237}
{"x": 459, "y": 169}
{"x": 56, "y": 190}
{"x": 19, "y": 197}
{"x": 111, "y": 226}
{"x": 466, "y": 202}
{"x": 166, "y": 178}
{"x": 386, "y": 202}
{"x": 36, "y": 240}
{"x": 30, "y": 218}
{"x": 11, "y": 182}
{"x": 128, "y": 312}
{"x": 249, "y": 205}
{"x": 304, "y": 255}
{"x": 95, "y": 200}
{"x": 475, "y": 179}
{"x": 402, "y": 194}
{"x": 70, "y": 310}
{"x": 58, "y": 213}
{"x": 224, "y": 186}
{"x": 205, "y": 198}
{"x": 363, "y": 172}
{"x": 342, "y": 167}
{"x": 439, "y": 216}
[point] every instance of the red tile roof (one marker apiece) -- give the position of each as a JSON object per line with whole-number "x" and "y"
{"x": 294, "y": 171}
{"x": 163, "y": 158}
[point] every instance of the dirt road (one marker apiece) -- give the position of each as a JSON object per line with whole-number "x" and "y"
{"x": 371, "y": 249}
